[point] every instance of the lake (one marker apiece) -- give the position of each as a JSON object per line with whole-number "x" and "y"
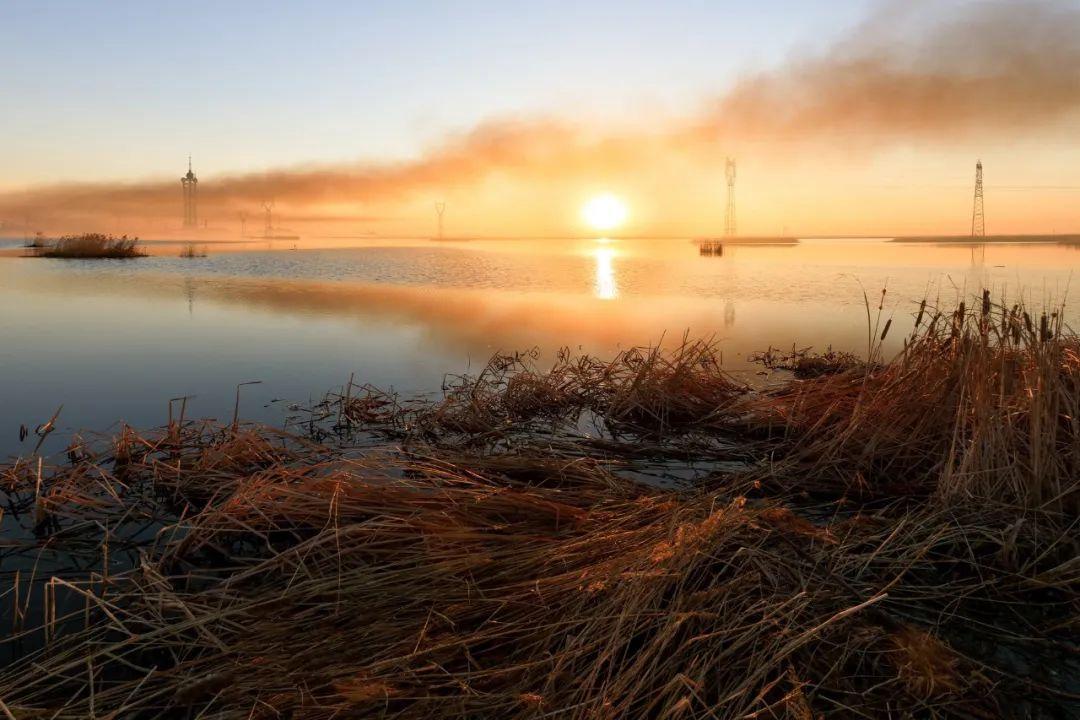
{"x": 113, "y": 341}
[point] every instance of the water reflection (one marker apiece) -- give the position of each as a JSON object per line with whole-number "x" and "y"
{"x": 189, "y": 292}
{"x": 711, "y": 248}
{"x": 404, "y": 316}
{"x": 978, "y": 255}
{"x": 605, "y": 286}
{"x": 729, "y": 315}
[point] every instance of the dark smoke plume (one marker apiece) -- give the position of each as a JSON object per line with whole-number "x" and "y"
{"x": 911, "y": 71}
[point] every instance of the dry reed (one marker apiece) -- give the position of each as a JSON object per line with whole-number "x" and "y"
{"x": 898, "y": 539}
{"x": 93, "y": 245}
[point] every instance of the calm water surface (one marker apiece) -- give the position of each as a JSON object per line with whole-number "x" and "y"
{"x": 115, "y": 340}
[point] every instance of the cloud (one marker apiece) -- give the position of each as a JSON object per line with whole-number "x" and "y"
{"x": 912, "y": 71}
{"x": 987, "y": 66}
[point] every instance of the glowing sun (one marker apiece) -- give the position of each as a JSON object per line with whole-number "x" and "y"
{"x": 604, "y": 212}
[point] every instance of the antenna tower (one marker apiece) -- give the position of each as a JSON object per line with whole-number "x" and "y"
{"x": 268, "y": 207}
{"x": 729, "y": 215}
{"x": 190, "y": 185}
{"x": 440, "y": 208}
{"x": 978, "y": 218}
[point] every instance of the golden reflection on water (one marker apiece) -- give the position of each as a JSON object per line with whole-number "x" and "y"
{"x": 605, "y": 286}
{"x": 751, "y": 297}
{"x": 140, "y": 332}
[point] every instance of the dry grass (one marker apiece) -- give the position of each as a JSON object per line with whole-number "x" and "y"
{"x": 485, "y": 554}
{"x": 93, "y": 245}
{"x": 644, "y": 391}
{"x": 804, "y": 363}
{"x": 980, "y": 404}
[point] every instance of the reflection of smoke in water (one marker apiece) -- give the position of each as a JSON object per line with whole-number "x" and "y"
{"x": 605, "y": 289}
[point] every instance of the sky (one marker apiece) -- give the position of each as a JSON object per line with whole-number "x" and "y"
{"x": 356, "y": 117}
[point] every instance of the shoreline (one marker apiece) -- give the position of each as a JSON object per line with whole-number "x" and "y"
{"x": 1066, "y": 239}
{"x": 496, "y": 550}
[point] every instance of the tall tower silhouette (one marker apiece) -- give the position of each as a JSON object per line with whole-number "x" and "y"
{"x": 440, "y": 208}
{"x": 978, "y": 218}
{"x": 190, "y": 185}
{"x": 268, "y": 209}
{"x": 729, "y": 215}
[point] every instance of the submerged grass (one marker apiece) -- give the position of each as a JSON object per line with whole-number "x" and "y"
{"x": 893, "y": 539}
{"x": 190, "y": 251}
{"x": 93, "y": 245}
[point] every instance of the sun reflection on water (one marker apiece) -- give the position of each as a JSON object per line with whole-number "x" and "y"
{"x": 605, "y": 287}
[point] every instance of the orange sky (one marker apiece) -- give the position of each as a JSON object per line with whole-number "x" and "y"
{"x": 877, "y": 135}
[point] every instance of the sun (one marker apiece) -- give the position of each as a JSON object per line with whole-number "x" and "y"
{"x": 604, "y": 212}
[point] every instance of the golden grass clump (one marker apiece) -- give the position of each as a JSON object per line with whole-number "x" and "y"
{"x": 93, "y": 245}
{"x": 642, "y": 389}
{"x": 805, "y": 363}
{"x": 927, "y": 666}
{"x": 665, "y": 390}
{"x": 980, "y": 403}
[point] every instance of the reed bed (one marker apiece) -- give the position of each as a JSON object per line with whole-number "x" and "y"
{"x": 982, "y": 403}
{"x": 893, "y": 539}
{"x": 645, "y": 392}
{"x": 92, "y": 245}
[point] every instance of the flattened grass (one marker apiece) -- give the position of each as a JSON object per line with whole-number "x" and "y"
{"x": 899, "y": 539}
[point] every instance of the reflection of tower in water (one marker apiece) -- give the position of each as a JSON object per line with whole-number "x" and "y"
{"x": 978, "y": 255}
{"x": 189, "y": 292}
{"x": 605, "y": 286}
{"x": 977, "y": 276}
{"x": 729, "y": 314}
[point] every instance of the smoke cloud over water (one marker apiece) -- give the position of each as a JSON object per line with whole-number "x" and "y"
{"x": 998, "y": 66}
{"x": 912, "y": 72}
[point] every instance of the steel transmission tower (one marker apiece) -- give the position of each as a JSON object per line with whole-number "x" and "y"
{"x": 978, "y": 218}
{"x": 190, "y": 185}
{"x": 729, "y": 215}
{"x": 440, "y": 208}
{"x": 268, "y": 207}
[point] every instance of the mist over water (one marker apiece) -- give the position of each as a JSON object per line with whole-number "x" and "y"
{"x": 115, "y": 340}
